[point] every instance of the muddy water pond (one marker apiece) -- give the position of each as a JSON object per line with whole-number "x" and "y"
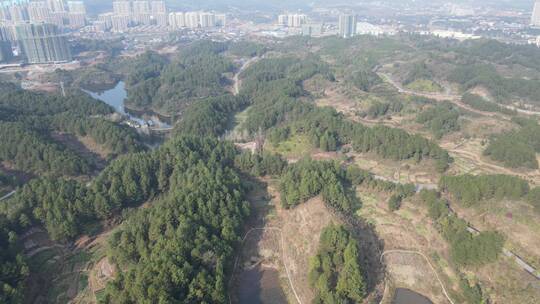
{"x": 260, "y": 285}
{"x": 407, "y": 296}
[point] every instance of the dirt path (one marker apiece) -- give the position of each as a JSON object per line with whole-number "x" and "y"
{"x": 283, "y": 258}
{"x": 8, "y": 195}
{"x": 443, "y": 96}
{"x": 279, "y": 240}
{"x": 237, "y": 81}
{"x": 428, "y": 262}
{"x": 462, "y": 152}
{"x": 522, "y": 264}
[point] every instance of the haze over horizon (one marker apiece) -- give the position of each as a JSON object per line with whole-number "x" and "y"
{"x": 96, "y": 6}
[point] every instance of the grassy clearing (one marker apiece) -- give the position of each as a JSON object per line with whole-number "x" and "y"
{"x": 297, "y": 146}
{"x": 239, "y": 120}
{"x": 424, "y": 85}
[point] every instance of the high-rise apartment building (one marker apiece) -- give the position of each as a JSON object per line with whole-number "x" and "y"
{"x": 207, "y": 20}
{"x": 106, "y": 18}
{"x": 535, "y": 19}
{"x": 77, "y": 20}
{"x": 141, "y": 12}
{"x": 144, "y": 19}
{"x": 158, "y": 7}
{"x": 38, "y": 11}
{"x": 4, "y": 14}
{"x": 42, "y": 43}
{"x": 76, "y": 7}
{"x": 18, "y": 13}
{"x": 160, "y": 19}
{"x": 221, "y": 20}
{"x": 192, "y": 19}
{"x": 347, "y": 26}
{"x": 6, "y": 52}
{"x": 282, "y": 20}
{"x": 141, "y": 7}
{"x": 122, "y": 7}
{"x": 292, "y": 20}
{"x": 177, "y": 20}
{"x": 120, "y": 23}
{"x": 159, "y": 12}
{"x": 299, "y": 20}
{"x": 57, "y": 6}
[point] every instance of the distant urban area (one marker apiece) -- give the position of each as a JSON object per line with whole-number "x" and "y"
{"x": 34, "y": 32}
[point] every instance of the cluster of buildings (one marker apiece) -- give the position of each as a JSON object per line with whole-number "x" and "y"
{"x": 178, "y": 20}
{"x": 347, "y": 25}
{"x": 127, "y": 14}
{"x": 292, "y": 20}
{"x": 34, "y": 43}
{"x": 59, "y": 12}
{"x": 32, "y": 31}
{"x": 535, "y": 18}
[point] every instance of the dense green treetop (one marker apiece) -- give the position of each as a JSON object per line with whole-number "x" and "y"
{"x": 517, "y": 148}
{"x": 471, "y": 189}
{"x": 306, "y": 179}
{"x": 335, "y": 271}
{"x": 30, "y": 121}
{"x": 466, "y": 249}
{"x": 441, "y": 119}
{"x": 13, "y": 267}
{"x": 170, "y": 86}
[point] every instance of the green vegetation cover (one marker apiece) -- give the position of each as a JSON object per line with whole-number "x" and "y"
{"x": 335, "y": 271}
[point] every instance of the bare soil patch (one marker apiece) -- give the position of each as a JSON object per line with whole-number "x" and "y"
{"x": 301, "y": 228}
{"x": 398, "y": 171}
{"x": 468, "y": 158}
{"x": 409, "y": 229}
{"x": 284, "y": 241}
{"x": 412, "y": 272}
{"x": 102, "y": 272}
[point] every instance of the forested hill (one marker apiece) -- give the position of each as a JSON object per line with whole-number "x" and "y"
{"x": 196, "y": 186}
{"x": 275, "y": 88}
{"x": 169, "y": 87}
{"x": 29, "y": 122}
{"x": 170, "y": 220}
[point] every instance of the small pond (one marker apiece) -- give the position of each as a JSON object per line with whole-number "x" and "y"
{"x": 260, "y": 285}
{"x": 115, "y": 97}
{"x": 407, "y": 296}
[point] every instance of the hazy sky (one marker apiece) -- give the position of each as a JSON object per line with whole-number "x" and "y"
{"x": 101, "y": 5}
